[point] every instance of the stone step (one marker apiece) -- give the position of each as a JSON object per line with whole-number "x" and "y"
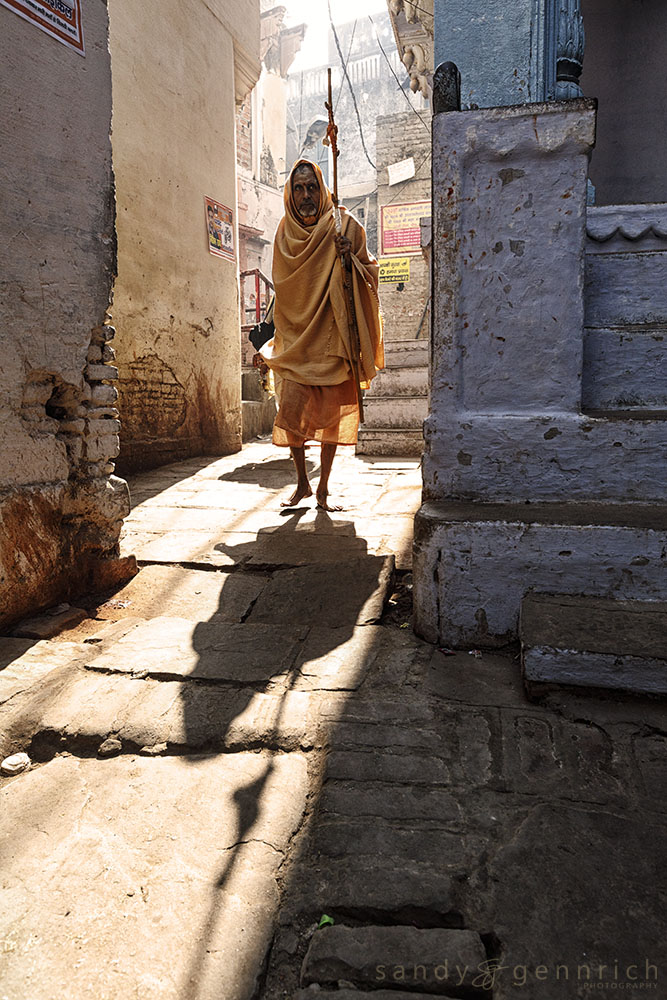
{"x": 594, "y": 642}
{"x": 395, "y": 411}
{"x": 394, "y": 441}
{"x": 601, "y": 549}
{"x": 391, "y": 381}
{"x": 367, "y": 956}
{"x": 406, "y": 353}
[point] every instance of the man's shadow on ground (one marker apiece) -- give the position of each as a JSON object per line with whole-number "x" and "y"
{"x": 296, "y": 596}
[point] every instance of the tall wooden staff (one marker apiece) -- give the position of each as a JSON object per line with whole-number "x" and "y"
{"x": 355, "y": 361}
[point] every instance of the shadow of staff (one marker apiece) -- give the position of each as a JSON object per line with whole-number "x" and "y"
{"x": 277, "y": 652}
{"x": 278, "y": 472}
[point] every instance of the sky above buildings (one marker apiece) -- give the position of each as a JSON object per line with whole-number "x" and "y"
{"x": 315, "y": 14}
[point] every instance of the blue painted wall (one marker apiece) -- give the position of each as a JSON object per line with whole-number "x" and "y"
{"x": 503, "y": 50}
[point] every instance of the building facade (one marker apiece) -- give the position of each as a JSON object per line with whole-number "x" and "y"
{"x": 176, "y": 302}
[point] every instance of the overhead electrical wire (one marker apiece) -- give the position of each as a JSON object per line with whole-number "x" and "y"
{"x": 400, "y": 85}
{"x": 344, "y": 64}
{"x": 349, "y": 53}
{"x": 399, "y": 186}
{"x": 349, "y": 83}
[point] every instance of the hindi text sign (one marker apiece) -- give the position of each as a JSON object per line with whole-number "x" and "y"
{"x": 400, "y": 229}
{"x": 394, "y": 269}
{"x": 59, "y": 18}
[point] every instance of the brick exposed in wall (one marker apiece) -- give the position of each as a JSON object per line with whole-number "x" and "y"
{"x": 397, "y": 138}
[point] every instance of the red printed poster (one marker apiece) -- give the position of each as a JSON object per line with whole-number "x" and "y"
{"x": 59, "y": 18}
{"x": 400, "y": 230}
{"x": 220, "y": 229}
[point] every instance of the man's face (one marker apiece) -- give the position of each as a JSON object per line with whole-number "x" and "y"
{"x": 306, "y": 192}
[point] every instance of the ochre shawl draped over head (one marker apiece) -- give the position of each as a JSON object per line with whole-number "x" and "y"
{"x": 312, "y": 340}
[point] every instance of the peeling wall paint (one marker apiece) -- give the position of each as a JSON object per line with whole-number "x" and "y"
{"x": 60, "y": 506}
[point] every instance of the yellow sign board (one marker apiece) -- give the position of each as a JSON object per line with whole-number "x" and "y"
{"x": 394, "y": 269}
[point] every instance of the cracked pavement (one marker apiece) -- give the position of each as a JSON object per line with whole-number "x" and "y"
{"x": 245, "y": 738}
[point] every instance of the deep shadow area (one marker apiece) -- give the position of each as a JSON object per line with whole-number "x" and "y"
{"x": 451, "y": 801}
{"x": 288, "y": 627}
{"x": 281, "y": 470}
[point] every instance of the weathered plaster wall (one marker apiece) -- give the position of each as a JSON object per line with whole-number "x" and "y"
{"x": 398, "y": 137}
{"x": 175, "y": 72}
{"x": 523, "y": 488}
{"x": 473, "y": 565}
{"x": 506, "y": 378}
{"x": 499, "y": 47}
{"x": 624, "y": 68}
{"x": 60, "y": 508}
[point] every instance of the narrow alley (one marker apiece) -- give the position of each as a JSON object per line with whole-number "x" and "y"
{"x": 248, "y": 737}
{"x": 333, "y": 530}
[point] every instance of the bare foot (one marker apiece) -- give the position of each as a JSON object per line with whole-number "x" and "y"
{"x": 323, "y": 505}
{"x": 299, "y": 493}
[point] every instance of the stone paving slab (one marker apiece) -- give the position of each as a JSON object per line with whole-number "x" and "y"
{"x": 605, "y": 870}
{"x": 374, "y": 888}
{"x": 183, "y": 716}
{"x": 339, "y": 837}
{"x": 24, "y": 662}
{"x": 267, "y": 550}
{"x": 389, "y": 801}
{"x": 50, "y": 623}
{"x": 212, "y": 651}
{"x": 215, "y": 494}
{"x": 198, "y": 595}
{"x": 182, "y": 518}
{"x": 337, "y": 594}
{"x": 189, "y": 547}
{"x": 337, "y": 659}
{"x": 492, "y": 679}
{"x": 563, "y": 621}
{"x": 399, "y": 498}
{"x": 384, "y": 765}
{"x": 121, "y": 883}
{"x": 431, "y": 960}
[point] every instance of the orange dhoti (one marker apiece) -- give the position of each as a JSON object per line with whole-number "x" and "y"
{"x": 328, "y": 414}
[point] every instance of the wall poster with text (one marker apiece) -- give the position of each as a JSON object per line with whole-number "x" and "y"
{"x": 59, "y": 18}
{"x": 220, "y": 229}
{"x": 400, "y": 231}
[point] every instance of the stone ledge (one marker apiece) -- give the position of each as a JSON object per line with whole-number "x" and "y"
{"x": 594, "y": 624}
{"x": 594, "y": 642}
{"x": 632, "y": 515}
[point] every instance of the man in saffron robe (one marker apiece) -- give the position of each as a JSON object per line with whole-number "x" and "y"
{"x": 310, "y": 353}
